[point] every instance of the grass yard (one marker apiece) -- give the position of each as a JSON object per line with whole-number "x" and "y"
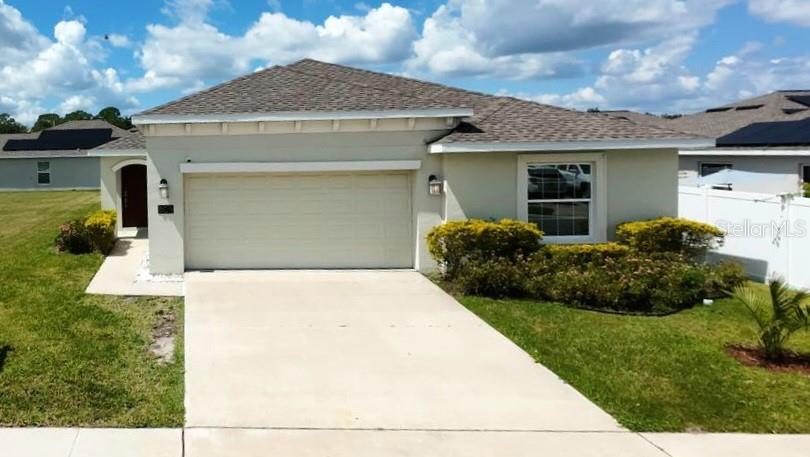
{"x": 66, "y": 358}
{"x": 659, "y": 373}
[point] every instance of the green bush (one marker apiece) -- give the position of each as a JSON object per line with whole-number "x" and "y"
{"x": 494, "y": 278}
{"x": 454, "y": 243}
{"x": 667, "y": 234}
{"x": 806, "y": 189}
{"x": 723, "y": 277}
{"x": 578, "y": 254}
{"x": 634, "y": 282}
{"x": 101, "y": 231}
{"x": 73, "y": 238}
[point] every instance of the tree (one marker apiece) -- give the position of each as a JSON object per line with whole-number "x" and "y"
{"x": 10, "y": 125}
{"x": 45, "y": 121}
{"x": 112, "y": 115}
{"x": 779, "y": 315}
{"x": 78, "y": 115}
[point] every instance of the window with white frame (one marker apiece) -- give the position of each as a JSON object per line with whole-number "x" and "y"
{"x": 707, "y": 168}
{"x": 560, "y": 197}
{"x": 43, "y": 173}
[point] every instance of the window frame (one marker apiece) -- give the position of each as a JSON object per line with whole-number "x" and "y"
{"x": 804, "y": 173}
{"x": 729, "y": 165}
{"x": 44, "y": 172}
{"x": 597, "y": 217}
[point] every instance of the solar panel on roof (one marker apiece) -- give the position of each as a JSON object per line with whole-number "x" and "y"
{"x": 56, "y": 140}
{"x": 801, "y": 99}
{"x": 792, "y": 133}
{"x": 717, "y": 110}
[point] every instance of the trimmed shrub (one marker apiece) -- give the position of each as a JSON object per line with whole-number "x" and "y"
{"x": 577, "y": 254}
{"x": 723, "y": 278}
{"x": 667, "y": 234}
{"x": 806, "y": 189}
{"x": 494, "y": 278}
{"x": 73, "y": 238}
{"x": 100, "y": 227}
{"x": 631, "y": 283}
{"x": 454, "y": 243}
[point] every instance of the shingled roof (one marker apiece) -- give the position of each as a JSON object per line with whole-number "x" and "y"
{"x": 310, "y": 85}
{"x": 86, "y": 131}
{"x": 780, "y": 106}
{"x": 133, "y": 140}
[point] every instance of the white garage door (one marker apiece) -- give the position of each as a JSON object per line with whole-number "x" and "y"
{"x": 336, "y": 220}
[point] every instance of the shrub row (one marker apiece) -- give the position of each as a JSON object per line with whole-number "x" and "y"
{"x": 80, "y": 236}
{"x": 653, "y": 269}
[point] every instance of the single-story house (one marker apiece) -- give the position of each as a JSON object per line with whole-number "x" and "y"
{"x": 56, "y": 158}
{"x": 768, "y": 135}
{"x": 316, "y": 165}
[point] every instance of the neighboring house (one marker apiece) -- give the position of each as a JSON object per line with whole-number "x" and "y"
{"x": 315, "y": 165}
{"x": 56, "y": 158}
{"x": 769, "y": 135}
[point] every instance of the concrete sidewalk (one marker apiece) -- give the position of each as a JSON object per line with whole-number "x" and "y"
{"x": 89, "y": 442}
{"x": 210, "y": 442}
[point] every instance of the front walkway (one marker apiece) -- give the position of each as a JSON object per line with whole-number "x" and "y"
{"x": 125, "y": 271}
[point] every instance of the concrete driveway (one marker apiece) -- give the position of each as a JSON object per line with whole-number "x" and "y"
{"x": 360, "y": 350}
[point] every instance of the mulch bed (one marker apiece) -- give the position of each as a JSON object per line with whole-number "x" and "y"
{"x": 754, "y": 357}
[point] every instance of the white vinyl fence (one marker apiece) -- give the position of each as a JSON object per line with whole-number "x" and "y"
{"x": 766, "y": 233}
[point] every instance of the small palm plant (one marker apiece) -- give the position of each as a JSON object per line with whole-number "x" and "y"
{"x": 779, "y": 315}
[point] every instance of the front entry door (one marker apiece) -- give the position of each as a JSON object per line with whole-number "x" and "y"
{"x": 133, "y": 196}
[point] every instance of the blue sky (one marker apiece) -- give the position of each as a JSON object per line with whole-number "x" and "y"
{"x": 661, "y": 56}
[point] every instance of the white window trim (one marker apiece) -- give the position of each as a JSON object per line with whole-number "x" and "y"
{"x": 48, "y": 172}
{"x": 598, "y": 213}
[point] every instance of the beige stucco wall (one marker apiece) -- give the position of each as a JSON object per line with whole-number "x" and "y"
{"x": 783, "y": 171}
{"x": 165, "y": 153}
{"x": 641, "y": 184}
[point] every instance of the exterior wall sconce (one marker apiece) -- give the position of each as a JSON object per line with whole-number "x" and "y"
{"x": 435, "y": 185}
{"x": 164, "y": 188}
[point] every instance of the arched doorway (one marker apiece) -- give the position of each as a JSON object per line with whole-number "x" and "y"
{"x": 133, "y": 196}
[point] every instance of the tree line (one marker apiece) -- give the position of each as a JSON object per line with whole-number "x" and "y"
{"x": 110, "y": 114}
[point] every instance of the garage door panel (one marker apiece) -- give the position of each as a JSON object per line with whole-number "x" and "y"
{"x": 348, "y": 220}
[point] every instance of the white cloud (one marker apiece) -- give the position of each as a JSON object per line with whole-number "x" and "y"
{"x": 118, "y": 41}
{"x": 19, "y": 39}
{"x": 64, "y": 68}
{"x": 527, "y": 38}
{"x": 791, "y": 11}
{"x": 656, "y": 79}
{"x": 194, "y": 50}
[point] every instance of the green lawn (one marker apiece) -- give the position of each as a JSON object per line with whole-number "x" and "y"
{"x": 659, "y": 373}
{"x": 66, "y": 358}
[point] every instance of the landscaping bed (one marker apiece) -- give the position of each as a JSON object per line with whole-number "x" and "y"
{"x": 70, "y": 359}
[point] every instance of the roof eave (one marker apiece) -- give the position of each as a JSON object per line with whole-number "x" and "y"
{"x": 116, "y": 152}
{"x": 673, "y": 143}
{"x": 145, "y": 119}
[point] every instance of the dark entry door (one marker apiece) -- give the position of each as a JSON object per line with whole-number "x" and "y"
{"x": 133, "y": 196}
